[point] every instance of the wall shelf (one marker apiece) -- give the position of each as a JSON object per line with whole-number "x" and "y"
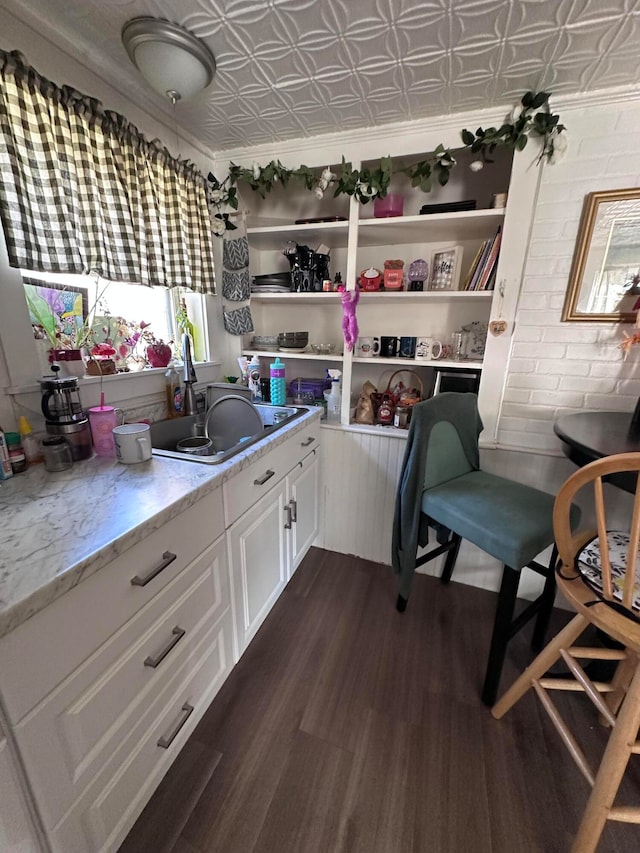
{"x": 377, "y": 296}
{"x": 334, "y": 234}
{"x": 433, "y": 228}
{"x": 307, "y": 356}
{"x": 411, "y": 363}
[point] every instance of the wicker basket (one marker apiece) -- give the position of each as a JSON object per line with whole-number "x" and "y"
{"x": 400, "y": 394}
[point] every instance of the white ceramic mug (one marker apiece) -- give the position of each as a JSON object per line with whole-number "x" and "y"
{"x": 427, "y": 349}
{"x": 133, "y": 443}
{"x": 368, "y": 347}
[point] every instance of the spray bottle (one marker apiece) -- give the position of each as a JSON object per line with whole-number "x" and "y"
{"x": 334, "y": 398}
{"x": 254, "y": 379}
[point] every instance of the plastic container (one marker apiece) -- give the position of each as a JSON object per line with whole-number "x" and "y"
{"x": 278, "y": 383}
{"x": 30, "y": 443}
{"x": 6, "y": 470}
{"x": 391, "y": 205}
{"x": 173, "y": 388}
{"x": 334, "y": 402}
{"x": 57, "y": 453}
{"x": 16, "y": 452}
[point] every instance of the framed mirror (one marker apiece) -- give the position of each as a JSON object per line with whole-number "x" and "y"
{"x": 604, "y": 282}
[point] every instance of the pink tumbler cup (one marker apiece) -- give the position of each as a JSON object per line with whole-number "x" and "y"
{"x": 102, "y": 420}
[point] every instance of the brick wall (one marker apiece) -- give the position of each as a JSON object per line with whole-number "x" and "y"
{"x": 557, "y": 367}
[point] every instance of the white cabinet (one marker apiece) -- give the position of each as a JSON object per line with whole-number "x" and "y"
{"x": 268, "y": 541}
{"x": 17, "y": 833}
{"x": 153, "y": 643}
{"x": 303, "y": 488}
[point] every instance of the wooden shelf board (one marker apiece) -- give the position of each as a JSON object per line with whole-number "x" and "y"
{"x": 410, "y": 363}
{"x": 291, "y": 298}
{"x": 373, "y": 296}
{"x": 333, "y": 234}
{"x": 433, "y": 228}
{"x": 308, "y": 356}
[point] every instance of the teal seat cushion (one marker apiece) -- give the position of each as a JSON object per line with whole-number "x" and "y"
{"x": 510, "y": 521}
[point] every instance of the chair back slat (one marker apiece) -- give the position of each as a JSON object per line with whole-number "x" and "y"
{"x": 632, "y": 553}
{"x": 601, "y": 521}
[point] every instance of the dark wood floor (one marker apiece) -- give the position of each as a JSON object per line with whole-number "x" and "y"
{"x": 349, "y": 728}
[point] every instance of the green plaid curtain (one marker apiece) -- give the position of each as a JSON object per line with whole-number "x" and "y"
{"x": 81, "y": 190}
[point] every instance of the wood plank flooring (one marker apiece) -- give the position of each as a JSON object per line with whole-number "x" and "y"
{"x": 349, "y": 728}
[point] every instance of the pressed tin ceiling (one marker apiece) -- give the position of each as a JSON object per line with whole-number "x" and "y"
{"x": 297, "y": 68}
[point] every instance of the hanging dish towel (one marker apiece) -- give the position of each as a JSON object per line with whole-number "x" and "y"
{"x": 236, "y": 283}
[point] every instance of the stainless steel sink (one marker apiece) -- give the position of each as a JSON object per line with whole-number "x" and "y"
{"x": 165, "y": 435}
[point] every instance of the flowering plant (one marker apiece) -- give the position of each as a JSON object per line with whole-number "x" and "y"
{"x": 532, "y": 116}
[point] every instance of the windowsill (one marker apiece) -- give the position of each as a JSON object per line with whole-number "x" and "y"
{"x": 133, "y": 376}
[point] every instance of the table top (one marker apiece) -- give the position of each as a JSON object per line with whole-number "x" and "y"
{"x": 587, "y": 436}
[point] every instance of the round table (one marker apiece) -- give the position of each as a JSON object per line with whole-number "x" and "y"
{"x": 587, "y": 436}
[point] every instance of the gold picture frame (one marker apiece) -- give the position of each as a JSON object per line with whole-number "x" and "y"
{"x": 604, "y": 282}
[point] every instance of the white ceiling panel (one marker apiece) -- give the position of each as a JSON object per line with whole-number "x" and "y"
{"x": 295, "y": 68}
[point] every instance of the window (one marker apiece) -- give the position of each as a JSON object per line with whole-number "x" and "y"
{"x": 125, "y": 315}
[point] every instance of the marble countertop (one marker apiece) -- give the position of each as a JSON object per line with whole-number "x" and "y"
{"x": 58, "y": 529}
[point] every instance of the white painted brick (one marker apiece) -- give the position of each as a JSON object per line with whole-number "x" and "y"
{"x": 610, "y": 403}
{"x": 556, "y": 302}
{"x": 545, "y": 284}
{"x": 571, "y": 333}
{"x": 520, "y": 410}
{"x": 538, "y": 350}
{"x": 523, "y": 365}
{"x": 607, "y": 368}
{"x": 524, "y": 425}
{"x": 568, "y": 367}
{"x": 548, "y": 248}
{"x": 527, "y": 439}
{"x": 565, "y": 213}
{"x": 533, "y": 380}
{"x": 527, "y": 334}
{"x": 630, "y": 387}
{"x": 533, "y": 302}
{"x": 537, "y": 318}
{"x": 594, "y": 145}
{"x": 515, "y": 395}
{"x": 557, "y": 398}
{"x": 589, "y": 352}
{"x": 541, "y": 267}
{"x": 588, "y": 385}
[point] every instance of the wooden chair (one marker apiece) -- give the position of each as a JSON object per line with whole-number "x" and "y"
{"x": 592, "y": 573}
{"x": 442, "y": 487}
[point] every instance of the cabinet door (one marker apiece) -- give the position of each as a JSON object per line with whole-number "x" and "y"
{"x": 16, "y": 832}
{"x": 258, "y": 562}
{"x": 303, "y": 493}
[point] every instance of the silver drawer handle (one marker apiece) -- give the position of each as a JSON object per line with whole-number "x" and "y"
{"x": 287, "y": 524}
{"x": 167, "y": 559}
{"x": 166, "y": 740}
{"x": 294, "y": 509}
{"x": 177, "y": 634}
{"x": 309, "y": 441}
{"x": 268, "y": 474}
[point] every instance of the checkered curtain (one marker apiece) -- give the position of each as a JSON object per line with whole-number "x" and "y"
{"x": 81, "y": 190}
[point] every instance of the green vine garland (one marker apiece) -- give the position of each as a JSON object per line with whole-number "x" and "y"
{"x": 531, "y": 117}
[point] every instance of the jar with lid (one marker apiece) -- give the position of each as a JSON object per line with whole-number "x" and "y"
{"x": 16, "y": 452}
{"x": 401, "y": 417}
{"x": 57, "y": 453}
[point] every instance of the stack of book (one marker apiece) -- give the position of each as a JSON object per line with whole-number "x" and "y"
{"x": 482, "y": 272}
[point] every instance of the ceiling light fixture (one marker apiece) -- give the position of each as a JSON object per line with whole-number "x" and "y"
{"x": 172, "y": 60}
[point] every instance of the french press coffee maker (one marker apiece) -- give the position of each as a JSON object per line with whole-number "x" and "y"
{"x": 63, "y": 412}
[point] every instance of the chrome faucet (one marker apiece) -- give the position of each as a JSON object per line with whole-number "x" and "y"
{"x": 190, "y": 407}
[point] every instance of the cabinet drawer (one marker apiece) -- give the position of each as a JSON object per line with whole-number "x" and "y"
{"x": 59, "y": 638}
{"x": 253, "y": 482}
{"x": 68, "y": 738}
{"x": 101, "y": 818}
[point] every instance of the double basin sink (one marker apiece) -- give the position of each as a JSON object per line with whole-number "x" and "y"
{"x": 165, "y": 435}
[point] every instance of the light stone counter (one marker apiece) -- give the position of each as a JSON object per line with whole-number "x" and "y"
{"x": 60, "y": 528}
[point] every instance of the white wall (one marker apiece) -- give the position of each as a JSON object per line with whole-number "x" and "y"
{"x": 557, "y": 367}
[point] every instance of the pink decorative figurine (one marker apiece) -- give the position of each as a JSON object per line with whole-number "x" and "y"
{"x": 349, "y": 320}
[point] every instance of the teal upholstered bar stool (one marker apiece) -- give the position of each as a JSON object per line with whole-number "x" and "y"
{"x": 443, "y": 489}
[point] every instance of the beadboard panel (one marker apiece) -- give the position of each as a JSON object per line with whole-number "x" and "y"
{"x": 359, "y": 476}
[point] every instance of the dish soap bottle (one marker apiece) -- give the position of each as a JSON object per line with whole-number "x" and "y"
{"x": 278, "y": 384}
{"x": 334, "y": 398}
{"x": 175, "y": 400}
{"x": 254, "y": 379}
{"x": 30, "y": 443}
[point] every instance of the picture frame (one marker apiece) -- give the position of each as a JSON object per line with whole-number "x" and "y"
{"x": 68, "y": 304}
{"x": 445, "y": 268}
{"x": 604, "y": 281}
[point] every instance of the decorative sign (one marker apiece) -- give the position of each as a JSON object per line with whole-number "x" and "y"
{"x": 498, "y": 327}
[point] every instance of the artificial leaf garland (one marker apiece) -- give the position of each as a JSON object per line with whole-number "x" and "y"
{"x": 532, "y": 116}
